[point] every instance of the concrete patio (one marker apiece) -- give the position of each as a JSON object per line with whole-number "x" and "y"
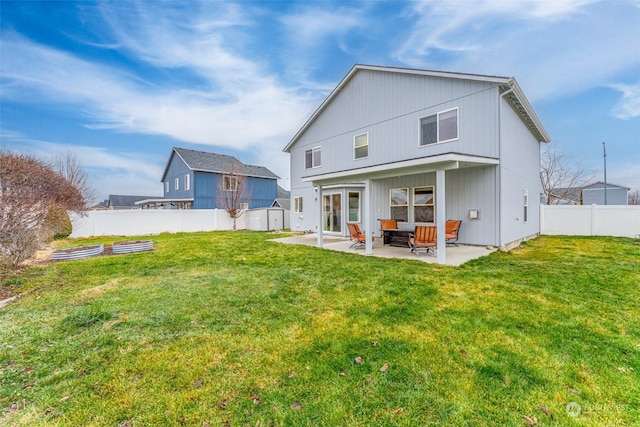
{"x": 455, "y": 255}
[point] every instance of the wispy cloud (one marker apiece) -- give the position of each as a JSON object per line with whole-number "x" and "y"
{"x": 209, "y": 94}
{"x": 553, "y": 47}
{"x": 117, "y": 170}
{"x": 629, "y": 105}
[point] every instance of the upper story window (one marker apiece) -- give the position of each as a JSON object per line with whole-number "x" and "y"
{"x": 313, "y": 158}
{"x": 187, "y": 182}
{"x": 177, "y": 183}
{"x": 423, "y": 204}
{"x": 297, "y": 204}
{"x": 230, "y": 183}
{"x": 361, "y": 146}
{"x": 440, "y": 127}
{"x": 166, "y": 187}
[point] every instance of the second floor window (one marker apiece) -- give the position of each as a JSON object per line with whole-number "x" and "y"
{"x": 166, "y": 187}
{"x": 439, "y": 127}
{"x": 230, "y": 183}
{"x": 361, "y": 146}
{"x": 187, "y": 182}
{"x": 177, "y": 183}
{"x": 313, "y": 158}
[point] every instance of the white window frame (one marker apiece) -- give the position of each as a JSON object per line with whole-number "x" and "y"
{"x": 391, "y": 205}
{"x": 313, "y": 152}
{"x": 177, "y": 183}
{"x": 355, "y": 146}
{"x": 187, "y": 182}
{"x": 359, "y": 209}
{"x": 525, "y": 205}
{"x": 230, "y": 183}
{"x": 166, "y": 186}
{"x": 297, "y": 204}
{"x": 244, "y": 206}
{"x": 432, "y": 204}
{"x": 437, "y": 116}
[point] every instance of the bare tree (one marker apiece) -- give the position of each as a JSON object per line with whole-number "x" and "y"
{"x": 560, "y": 176}
{"x": 30, "y": 193}
{"x": 68, "y": 165}
{"x": 634, "y": 197}
{"x": 231, "y": 193}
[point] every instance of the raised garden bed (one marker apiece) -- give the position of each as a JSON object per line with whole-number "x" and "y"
{"x": 129, "y": 246}
{"x": 78, "y": 252}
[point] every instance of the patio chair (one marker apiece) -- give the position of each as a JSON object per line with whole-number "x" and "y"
{"x": 358, "y": 238}
{"x": 452, "y": 226}
{"x": 424, "y": 239}
{"x": 387, "y": 224}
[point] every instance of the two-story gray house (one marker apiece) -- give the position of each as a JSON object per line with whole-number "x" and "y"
{"x": 421, "y": 147}
{"x": 196, "y": 180}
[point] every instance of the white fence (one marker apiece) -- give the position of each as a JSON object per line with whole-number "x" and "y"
{"x": 594, "y": 220}
{"x": 140, "y": 222}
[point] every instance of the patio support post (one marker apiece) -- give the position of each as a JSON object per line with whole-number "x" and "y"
{"x": 441, "y": 216}
{"x": 320, "y": 212}
{"x": 368, "y": 247}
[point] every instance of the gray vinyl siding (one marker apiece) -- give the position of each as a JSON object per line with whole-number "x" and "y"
{"x": 177, "y": 169}
{"x": 473, "y": 188}
{"x": 389, "y": 107}
{"x": 519, "y": 169}
{"x": 615, "y": 196}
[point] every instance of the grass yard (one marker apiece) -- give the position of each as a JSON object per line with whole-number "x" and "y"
{"x": 230, "y": 329}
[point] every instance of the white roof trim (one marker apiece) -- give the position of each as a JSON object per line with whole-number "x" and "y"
{"x": 407, "y": 167}
{"x": 519, "y": 100}
{"x": 141, "y": 202}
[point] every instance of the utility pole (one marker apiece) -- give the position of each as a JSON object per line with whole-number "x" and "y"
{"x": 604, "y": 150}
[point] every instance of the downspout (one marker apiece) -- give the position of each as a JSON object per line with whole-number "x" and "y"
{"x": 500, "y": 157}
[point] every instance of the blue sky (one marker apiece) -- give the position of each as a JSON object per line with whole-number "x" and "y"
{"x": 119, "y": 83}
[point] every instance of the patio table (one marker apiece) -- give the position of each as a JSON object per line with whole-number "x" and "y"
{"x": 396, "y": 237}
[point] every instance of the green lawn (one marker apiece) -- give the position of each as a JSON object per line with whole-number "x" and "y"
{"x": 229, "y": 328}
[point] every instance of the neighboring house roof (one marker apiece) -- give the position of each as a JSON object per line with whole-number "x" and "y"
{"x": 600, "y": 185}
{"x": 120, "y": 201}
{"x": 282, "y": 203}
{"x": 508, "y": 86}
{"x": 204, "y": 161}
{"x": 571, "y": 194}
{"x": 100, "y": 206}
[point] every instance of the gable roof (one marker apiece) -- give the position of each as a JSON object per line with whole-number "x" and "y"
{"x": 119, "y": 200}
{"x": 599, "y": 185}
{"x": 204, "y": 161}
{"x": 508, "y": 86}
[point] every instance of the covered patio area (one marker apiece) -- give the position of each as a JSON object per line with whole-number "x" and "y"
{"x": 455, "y": 256}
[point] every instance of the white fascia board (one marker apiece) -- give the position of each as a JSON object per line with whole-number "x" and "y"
{"x": 407, "y": 167}
{"x": 140, "y": 202}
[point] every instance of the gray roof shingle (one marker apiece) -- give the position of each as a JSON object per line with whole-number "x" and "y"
{"x": 221, "y": 163}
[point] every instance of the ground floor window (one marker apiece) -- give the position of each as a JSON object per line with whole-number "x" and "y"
{"x": 297, "y": 204}
{"x": 399, "y": 204}
{"x": 423, "y": 204}
{"x": 354, "y": 206}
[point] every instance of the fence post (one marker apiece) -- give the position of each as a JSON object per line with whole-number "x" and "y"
{"x": 594, "y": 220}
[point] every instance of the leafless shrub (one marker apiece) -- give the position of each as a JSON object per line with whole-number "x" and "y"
{"x": 560, "y": 176}
{"x": 231, "y": 193}
{"x": 32, "y": 193}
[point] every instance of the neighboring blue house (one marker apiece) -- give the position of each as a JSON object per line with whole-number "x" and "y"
{"x": 195, "y": 180}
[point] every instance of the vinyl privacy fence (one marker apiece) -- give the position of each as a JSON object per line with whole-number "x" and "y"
{"x": 593, "y": 220}
{"x": 139, "y": 222}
